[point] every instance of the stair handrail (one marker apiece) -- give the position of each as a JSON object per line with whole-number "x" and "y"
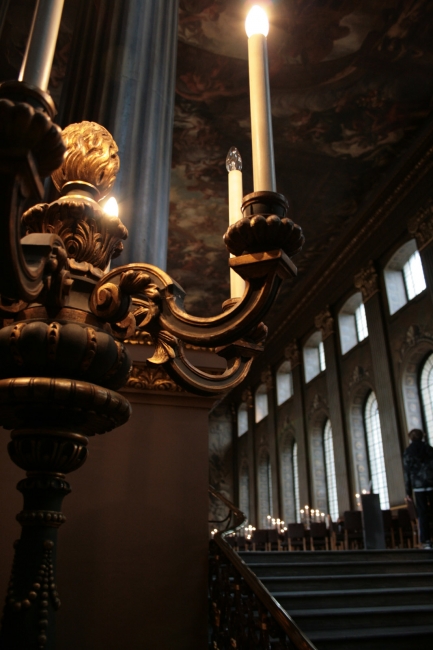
{"x": 282, "y": 618}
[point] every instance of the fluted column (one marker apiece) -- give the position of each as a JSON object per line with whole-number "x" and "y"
{"x": 421, "y": 227}
{"x": 325, "y": 323}
{"x": 121, "y": 74}
{"x": 143, "y": 127}
{"x": 368, "y": 283}
{"x": 293, "y": 355}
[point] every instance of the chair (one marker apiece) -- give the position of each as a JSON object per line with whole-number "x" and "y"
{"x": 274, "y": 543}
{"x": 407, "y": 528}
{"x": 296, "y": 537}
{"x": 319, "y": 536}
{"x": 414, "y": 519}
{"x": 353, "y": 533}
{"x": 388, "y": 528}
{"x": 259, "y": 539}
{"x": 336, "y": 534}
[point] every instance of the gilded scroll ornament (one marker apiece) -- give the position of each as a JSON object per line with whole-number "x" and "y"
{"x": 367, "y": 281}
{"x": 325, "y": 323}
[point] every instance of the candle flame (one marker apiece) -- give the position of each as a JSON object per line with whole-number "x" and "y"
{"x": 111, "y": 208}
{"x": 257, "y": 22}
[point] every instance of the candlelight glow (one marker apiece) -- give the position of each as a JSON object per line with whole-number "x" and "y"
{"x": 111, "y": 208}
{"x": 257, "y": 22}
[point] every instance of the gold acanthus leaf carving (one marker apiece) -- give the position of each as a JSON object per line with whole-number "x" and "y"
{"x": 88, "y": 235}
{"x": 143, "y": 378}
{"x": 91, "y": 156}
{"x": 166, "y": 348}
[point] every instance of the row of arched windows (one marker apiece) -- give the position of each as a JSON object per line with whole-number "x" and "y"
{"x": 404, "y": 280}
{"x": 376, "y": 462}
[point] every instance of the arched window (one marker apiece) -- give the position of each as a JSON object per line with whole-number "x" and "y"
{"x": 265, "y": 488}
{"x": 426, "y": 390}
{"x": 295, "y": 469}
{"x": 314, "y": 356}
{"x": 331, "y": 481}
{"x": 244, "y": 490}
{"x": 404, "y": 276}
{"x": 284, "y": 383}
{"x": 375, "y": 450}
{"x": 242, "y": 419}
{"x": 261, "y": 402}
{"x": 352, "y": 323}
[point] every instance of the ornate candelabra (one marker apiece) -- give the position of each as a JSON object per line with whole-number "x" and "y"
{"x": 65, "y": 319}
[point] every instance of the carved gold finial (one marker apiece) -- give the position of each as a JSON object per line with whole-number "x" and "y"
{"x": 91, "y": 157}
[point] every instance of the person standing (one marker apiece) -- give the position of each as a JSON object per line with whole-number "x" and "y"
{"x": 418, "y": 478}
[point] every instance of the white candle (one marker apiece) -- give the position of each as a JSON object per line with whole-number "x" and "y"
{"x": 257, "y": 28}
{"x": 41, "y": 44}
{"x": 234, "y": 168}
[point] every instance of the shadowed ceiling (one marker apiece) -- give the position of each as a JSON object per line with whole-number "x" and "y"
{"x": 351, "y": 86}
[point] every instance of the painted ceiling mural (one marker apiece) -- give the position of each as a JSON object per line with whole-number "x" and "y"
{"x": 351, "y": 84}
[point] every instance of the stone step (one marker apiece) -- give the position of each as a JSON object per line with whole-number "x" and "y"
{"x": 368, "y": 580}
{"x": 351, "y": 598}
{"x": 389, "y": 555}
{"x": 358, "y": 618}
{"x": 339, "y": 568}
{"x": 392, "y": 638}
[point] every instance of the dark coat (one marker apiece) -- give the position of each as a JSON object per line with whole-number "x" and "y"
{"x": 418, "y": 466}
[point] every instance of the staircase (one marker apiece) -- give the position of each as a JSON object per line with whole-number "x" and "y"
{"x": 353, "y": 600}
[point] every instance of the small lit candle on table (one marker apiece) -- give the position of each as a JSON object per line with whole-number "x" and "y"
{"x": 257, "y": 28}
{"x": 234, "y": 168}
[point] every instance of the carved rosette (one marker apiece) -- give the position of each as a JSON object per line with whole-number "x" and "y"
{"x": 421, "y": 226}
{"x": 325, "y": 323}
{"x": 367, "y": 281}
{"x": 292, "y": 354}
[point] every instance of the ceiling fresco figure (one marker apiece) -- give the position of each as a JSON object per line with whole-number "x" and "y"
{"x": 351, "y": 85}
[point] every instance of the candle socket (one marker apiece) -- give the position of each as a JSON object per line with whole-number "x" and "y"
{"x": 21, "y": 91}
{"x": 264, "y": 227}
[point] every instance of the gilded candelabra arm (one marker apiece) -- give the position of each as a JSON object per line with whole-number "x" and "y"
{"x": 31, "y": 146}
{"x": 261, "y": 242}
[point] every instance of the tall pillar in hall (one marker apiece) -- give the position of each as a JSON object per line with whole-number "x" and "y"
{"x": 121, "y": 74}
{"x": 268, "y": 379}
{"x": 293, "y": 355}
{"x": 325, "y": 323}
{"x": 367, "y": 282}
{"x": 421, "y": 227}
